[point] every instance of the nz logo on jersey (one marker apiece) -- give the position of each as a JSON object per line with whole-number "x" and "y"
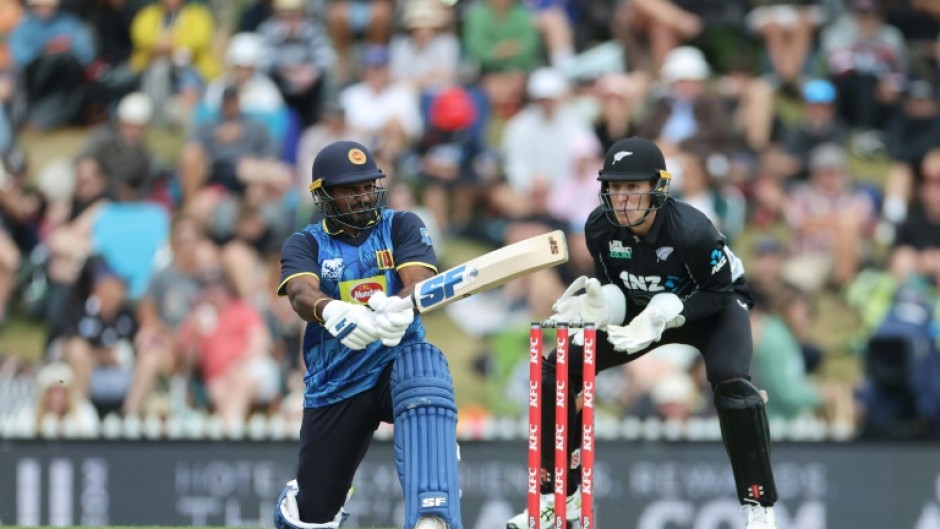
{"x": 619, "y": 251}
{"x": 332, "y": 268}
{"x": 718, "y": 260}
{"x": 644, "y": 283}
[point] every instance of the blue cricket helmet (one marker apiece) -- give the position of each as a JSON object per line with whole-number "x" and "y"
{"x": 344, "y": 162}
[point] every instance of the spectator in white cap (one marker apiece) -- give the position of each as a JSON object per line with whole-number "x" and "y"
{"x": 259, "y": 97}
{"x": 427, "y": 56}
{"x": 59, "y": 408}
{"x": 687, "y": 116}
{"x": 304, "y": 56}
{"x": 120, "y": 150}
{"x": 384, "y": 111}
{"x": 675, "y": 397}
{"x": 537, "y": 145}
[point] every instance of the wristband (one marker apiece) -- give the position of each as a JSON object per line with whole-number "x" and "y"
{"x": 317, "y": 302}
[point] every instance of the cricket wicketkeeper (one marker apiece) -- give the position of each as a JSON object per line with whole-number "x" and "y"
{"x": 663, "y": 274}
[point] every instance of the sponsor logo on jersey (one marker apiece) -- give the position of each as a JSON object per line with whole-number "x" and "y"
{"x": 644, "y": 283}
{"x": 332, "y": 268}
{"x": 663, "y": 253}
{"x": 619, "y": 251}
{"x": 718, "y": 260}
{"x": 383, "y": 259}
{"x": 425, "y": 237}
{"x": 360, "y": 290}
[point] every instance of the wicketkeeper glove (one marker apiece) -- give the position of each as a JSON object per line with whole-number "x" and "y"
{"x": 600, "y": 305}
{"x": 354, "y": 325}
{"x": 391, "y": 322}
{"x": 663, "y": 312}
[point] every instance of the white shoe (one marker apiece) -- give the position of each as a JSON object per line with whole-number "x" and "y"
{"x": 758, "y": 517}
{"x": 431, "y": 522}
{"x": 547, "y": 516}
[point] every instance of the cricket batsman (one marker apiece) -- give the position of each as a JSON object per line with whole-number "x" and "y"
{"x": 366, "y": 362}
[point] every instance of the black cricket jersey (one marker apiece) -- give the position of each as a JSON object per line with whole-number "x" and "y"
{"x": 683, "y": 253}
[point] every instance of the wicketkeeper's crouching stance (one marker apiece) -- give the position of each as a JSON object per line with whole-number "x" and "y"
{"x": 366, "y": 365}
{"x": 663, "y": 274}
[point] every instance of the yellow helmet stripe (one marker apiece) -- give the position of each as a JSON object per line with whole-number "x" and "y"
{"x": 316, "y": 184}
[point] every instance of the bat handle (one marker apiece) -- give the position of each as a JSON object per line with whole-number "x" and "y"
{"x": 401, "y": 304}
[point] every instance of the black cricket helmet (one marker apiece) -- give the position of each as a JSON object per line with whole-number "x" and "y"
{"x": 635, "y": 159}
{"x": 344, "y": 163}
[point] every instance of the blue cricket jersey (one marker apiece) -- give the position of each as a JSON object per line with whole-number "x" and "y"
{"x": 351, "y": 269}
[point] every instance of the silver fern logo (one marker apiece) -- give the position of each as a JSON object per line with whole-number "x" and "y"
{"x": 620, "y": 155}
{"x": 663, "y": 253}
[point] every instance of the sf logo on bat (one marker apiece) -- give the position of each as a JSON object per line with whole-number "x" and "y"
{"x": 446, "y": 286}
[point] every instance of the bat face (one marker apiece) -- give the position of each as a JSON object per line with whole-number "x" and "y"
{"x": 491, "y": 270}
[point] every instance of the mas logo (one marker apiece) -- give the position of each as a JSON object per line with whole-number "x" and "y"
{"x": 332, "y": 268}
{"x": 619, "y": 251}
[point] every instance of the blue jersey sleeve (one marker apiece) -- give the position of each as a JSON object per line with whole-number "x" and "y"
{"x": 298, "y": 257}
{"x": 411, "y": 242}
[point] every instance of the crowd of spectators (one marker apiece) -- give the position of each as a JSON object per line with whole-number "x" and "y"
{"x": 807, "y": 130}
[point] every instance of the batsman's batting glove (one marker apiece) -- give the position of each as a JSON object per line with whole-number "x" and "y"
{"x": 391, "y": 321}
{"x": 354, "y": 325}
{"x": 600, "y": 305}
{"x": 663, "y": 312}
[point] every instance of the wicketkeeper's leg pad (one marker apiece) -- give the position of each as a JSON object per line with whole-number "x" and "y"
{"x": 426, "y": 434}
{"x": 286, "y": 513}
{"x": 746, "y": 435}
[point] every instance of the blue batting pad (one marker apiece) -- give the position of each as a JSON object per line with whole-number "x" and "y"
{"x": 426, "y": 434}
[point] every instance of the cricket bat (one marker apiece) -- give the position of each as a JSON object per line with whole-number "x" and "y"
{"x": 489, "y": 270}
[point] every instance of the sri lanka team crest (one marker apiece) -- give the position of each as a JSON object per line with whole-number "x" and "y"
{"x": 383, "y": 259}
{"x": 356, "y": 156}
